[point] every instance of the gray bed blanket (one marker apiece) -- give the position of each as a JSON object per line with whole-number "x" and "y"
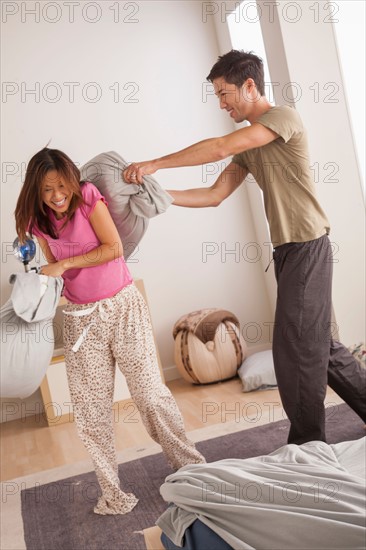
{"x": 299, "y": 497}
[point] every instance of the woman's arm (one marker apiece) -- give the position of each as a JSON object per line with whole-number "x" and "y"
{"x": 110, "y": 248}
{"x": 225, "y": 185}
{"x": 46, "y": 250}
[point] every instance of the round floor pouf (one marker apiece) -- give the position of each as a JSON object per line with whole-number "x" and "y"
{"x": 208, "y": 346}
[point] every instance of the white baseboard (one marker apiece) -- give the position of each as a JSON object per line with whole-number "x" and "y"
{"x": 171, "y": 373}
{"x": 259, "y": 347}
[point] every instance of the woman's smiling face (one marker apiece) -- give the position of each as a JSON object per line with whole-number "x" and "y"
{"x": 56, "y": 193}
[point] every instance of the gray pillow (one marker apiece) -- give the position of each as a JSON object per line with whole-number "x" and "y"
{"x": 257, "y": 372}
{"x": 130, "y": 205}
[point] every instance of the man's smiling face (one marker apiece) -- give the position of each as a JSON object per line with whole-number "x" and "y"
{"x": 238, "y": 102}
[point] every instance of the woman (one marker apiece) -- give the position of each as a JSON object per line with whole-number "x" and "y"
{"x": 106, "y": 319}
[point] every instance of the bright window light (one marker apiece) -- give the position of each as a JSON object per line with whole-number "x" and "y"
{"x": 246, "y": 34}
{"x": 350, "y": 35}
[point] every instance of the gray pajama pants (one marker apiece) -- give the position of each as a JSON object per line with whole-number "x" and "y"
{"x": 306, "y": 357}
{"x": 98, "y": 336}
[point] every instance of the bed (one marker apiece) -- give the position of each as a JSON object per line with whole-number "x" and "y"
{"x": 298, "y": 497}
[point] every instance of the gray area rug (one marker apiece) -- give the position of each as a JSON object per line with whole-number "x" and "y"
{"x": 59, "y": 515}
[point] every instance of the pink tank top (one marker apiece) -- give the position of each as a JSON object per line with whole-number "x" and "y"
{"x": 88, "y": 284}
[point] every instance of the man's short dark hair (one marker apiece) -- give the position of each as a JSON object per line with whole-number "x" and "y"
{"x": 237, "y": 66}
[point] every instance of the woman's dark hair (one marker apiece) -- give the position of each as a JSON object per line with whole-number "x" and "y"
{"x": 30, "y": 209}
{"x": 237, "y": 66}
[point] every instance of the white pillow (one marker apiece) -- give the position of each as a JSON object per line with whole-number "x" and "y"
{"x": 257, "y": 372}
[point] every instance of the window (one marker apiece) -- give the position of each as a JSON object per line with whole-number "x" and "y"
{"x": 246, "y": 34}
{"x": 350, "y": 37}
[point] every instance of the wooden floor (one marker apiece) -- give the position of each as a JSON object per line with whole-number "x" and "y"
{"x": 28, "y": 445}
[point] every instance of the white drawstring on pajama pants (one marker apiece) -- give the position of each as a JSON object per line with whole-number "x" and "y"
{"x": 97, "y": 337}
{"x": 88, "y": 311}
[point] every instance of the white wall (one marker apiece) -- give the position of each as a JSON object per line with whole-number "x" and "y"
{"x": 161, "y": 53}
{"x": 306, "y": 72}
{"x": 158, "y": 54}
{"x": 314, "y": 65}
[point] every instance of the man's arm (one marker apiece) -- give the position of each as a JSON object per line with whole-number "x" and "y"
{"x": 225, "y": 185}
{"x": 209, "y": 150}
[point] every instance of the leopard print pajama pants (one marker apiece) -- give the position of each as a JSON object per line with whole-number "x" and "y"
{"x": 98, "y": 336}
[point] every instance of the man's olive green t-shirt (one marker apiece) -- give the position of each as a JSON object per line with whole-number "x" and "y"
{"x": 282, "y": 170}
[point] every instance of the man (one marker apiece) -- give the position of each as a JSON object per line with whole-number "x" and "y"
{"x": 274, "y": 150}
